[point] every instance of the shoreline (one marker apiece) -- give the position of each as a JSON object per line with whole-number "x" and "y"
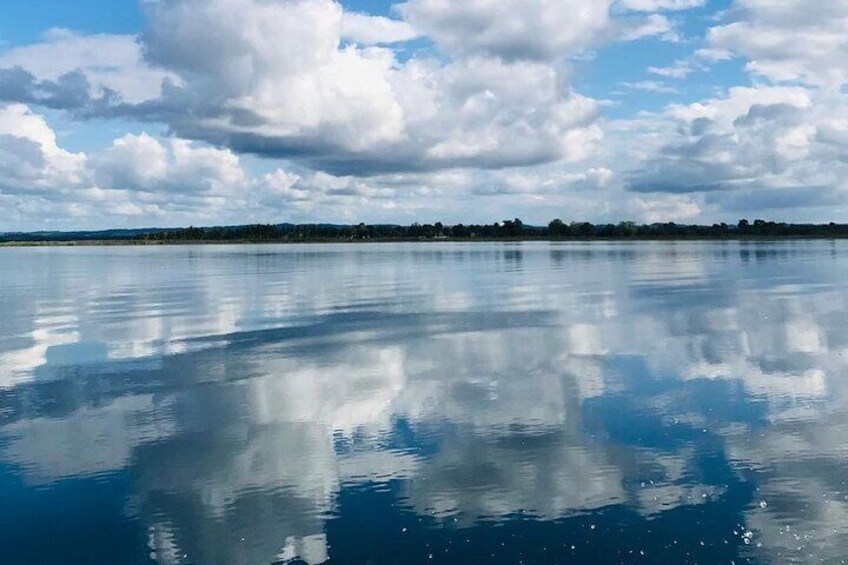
{"x": 635, "y": 239}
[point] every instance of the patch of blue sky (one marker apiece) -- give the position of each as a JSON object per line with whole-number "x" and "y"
{"x": 262, "y": 165}
{"x": 375, "y": 7}
{"x": 24, "y": 21}
{"x": 621, "y": 72}
{"x": 613, "y": 67}
{"x": 94, "y": 135}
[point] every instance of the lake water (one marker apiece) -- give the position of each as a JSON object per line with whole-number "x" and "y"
{"x": 419, "y": 403}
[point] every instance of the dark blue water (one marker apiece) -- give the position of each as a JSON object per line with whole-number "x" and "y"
{"x": 416, "y": 403}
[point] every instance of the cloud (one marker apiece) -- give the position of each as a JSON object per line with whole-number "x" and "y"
{"x": 788, "y": 40}
{"x": 651, "y": 86}
{"x": 30, "y": 159}
{"x": 291, "y": 89}
{"x": 286, "y": 82}
{"x": 482, "y": 105}
{"x": 143, "y": 163}
{"x": 70, "y": 91}
{"x": 375, "y": 30}
{"x": 304, "y": 81}
{"x": 107, "y": 63}
{"x": 658, "y": 5}
{"x": 680, "y": 69}
{"x": 141, "y": 180}
{"x": 137, "y": 176}
{"x": 512, "y": 30}
{"x": 654, "y": 25}
{"x": 660, "y": 208}
{"x": 765, "y": 147}
{"x": 761, "y": 147}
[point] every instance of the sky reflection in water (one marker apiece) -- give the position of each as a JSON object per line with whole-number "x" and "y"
{"x": 489, "y": 403}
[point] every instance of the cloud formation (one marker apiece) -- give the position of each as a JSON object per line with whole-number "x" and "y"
{"x": 788, "y": 40}
{"x": 146, "y": 164}
{"x": 657, "y": 5}
{"x": 291, "y": 89}
{"x": 512, "y": 30}
{"x": 435, "y": 106}
{"x": 72, "y": 69}
{"x": 30, "y": 159}
{"x": 760, "y": 148}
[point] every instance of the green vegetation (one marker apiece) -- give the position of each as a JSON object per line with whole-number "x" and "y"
{"x": 509, "y": 229}
{"x": 506, "y": 230}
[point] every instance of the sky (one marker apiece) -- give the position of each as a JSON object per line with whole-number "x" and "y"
{"x": 125, "y": 113}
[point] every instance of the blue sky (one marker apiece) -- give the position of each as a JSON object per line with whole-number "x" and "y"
{"x": 23, "y": 22}
{"x": 190, "y": 111}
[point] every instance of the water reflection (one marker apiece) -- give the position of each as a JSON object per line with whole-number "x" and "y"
{"x": 477, "y": 403}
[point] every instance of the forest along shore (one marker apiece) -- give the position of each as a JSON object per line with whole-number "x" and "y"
{"x": 509, "y": 230}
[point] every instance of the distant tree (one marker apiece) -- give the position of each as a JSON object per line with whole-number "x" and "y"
{"x": 362, "y": 231}
{"x": 557, "y": 228}
{"x": 513, "y": 228}
{"x": 459, "y": 231}
{"x": 583, "y": 229}
{"x": 627, "y": 229}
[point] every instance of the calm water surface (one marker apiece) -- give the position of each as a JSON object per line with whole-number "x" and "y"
{"x": 415, "y": 403}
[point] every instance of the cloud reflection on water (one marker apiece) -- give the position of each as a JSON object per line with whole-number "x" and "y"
{"x": 245, "y": 390}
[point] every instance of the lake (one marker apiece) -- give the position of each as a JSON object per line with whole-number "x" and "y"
{"x": 599, "y": 402}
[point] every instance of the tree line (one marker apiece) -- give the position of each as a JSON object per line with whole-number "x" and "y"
{"x": 506, "y": 230}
